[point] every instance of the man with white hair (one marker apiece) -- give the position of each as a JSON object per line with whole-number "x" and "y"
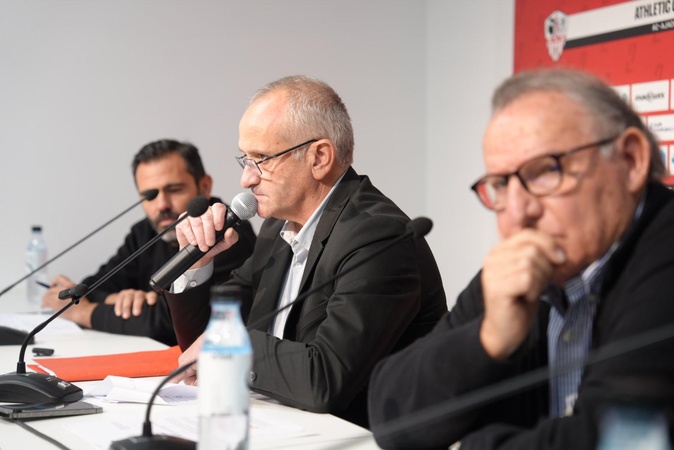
{"x": 585, "y": 260}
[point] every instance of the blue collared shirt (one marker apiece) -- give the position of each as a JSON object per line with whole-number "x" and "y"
{"x": 570, "y": 329}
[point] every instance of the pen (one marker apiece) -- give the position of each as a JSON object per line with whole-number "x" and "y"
{"x": 43, "y": 284}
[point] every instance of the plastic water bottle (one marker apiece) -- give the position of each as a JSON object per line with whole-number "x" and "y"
{"x": 36, "y": 255}
{"x": 223, "y": 370}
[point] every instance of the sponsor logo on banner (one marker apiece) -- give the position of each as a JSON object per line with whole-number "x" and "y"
{"x": 662, "y": 126}
{"x": 651, "y": 97}
{"x": 555, "y": 34}
{"x": 605, "y": 24}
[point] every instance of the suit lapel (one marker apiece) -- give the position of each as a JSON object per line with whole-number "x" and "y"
{"x": 331, "y": 213}
{"x": 271, "y": 283}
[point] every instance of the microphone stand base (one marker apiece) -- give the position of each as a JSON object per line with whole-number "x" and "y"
{"x": 157, "y": 441}
{"x": 32, "y": 387}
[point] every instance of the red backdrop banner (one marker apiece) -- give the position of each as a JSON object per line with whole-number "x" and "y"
{"x": 630, "y": 44}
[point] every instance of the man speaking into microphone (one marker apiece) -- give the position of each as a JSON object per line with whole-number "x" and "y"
{"x": 125, "y": 304}
{"x": 322, "y": 218}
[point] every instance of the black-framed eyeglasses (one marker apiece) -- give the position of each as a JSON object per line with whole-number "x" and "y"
{"x": 540, "y": 176}
{"x": 254, "y": 166}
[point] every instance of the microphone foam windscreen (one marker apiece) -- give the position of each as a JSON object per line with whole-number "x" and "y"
{"x": 420, "y": 226}
{"x": 80, "y": 290}
{"x": 151, "y": 194}
{"x": 197, "y": 206}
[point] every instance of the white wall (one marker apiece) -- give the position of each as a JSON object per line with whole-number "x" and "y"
{"x": 84, "y": 84}
{"x": 469, "y": 52}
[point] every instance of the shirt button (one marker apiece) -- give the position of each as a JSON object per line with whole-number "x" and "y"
{"x": 193, "y": 283}
{"x": 568, "y": 336}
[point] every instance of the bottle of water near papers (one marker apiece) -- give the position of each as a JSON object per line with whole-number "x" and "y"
{"x": 223, "y": 371}
{"x": 36, "y": 255}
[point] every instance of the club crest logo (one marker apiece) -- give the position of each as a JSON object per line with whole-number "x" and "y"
{"x": 555, "y": 34}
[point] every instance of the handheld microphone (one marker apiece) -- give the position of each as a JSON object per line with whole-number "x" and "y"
{"x": 147, "y": 195}
{"x": 196, "y": 207}
{"x": 416, "y": 229}
{"x": 243, "y": 207}
{"x": 32, "y": 387}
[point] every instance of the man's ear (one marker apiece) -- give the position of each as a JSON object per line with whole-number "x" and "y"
{"x": 323, "y": 158}
{"x": 205, "y": 186}
{"x": 636, "y": 152}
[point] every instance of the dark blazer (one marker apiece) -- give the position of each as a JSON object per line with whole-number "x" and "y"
{"x": 637, "y": 296}
{"x": 154, "y": 321}
{"x": 333, "y": 338}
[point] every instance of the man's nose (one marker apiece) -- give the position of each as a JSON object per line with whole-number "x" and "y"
{"x": 163, "y": 201}
{"x": 249, "y": 178}
{"x": 522, "y": 207}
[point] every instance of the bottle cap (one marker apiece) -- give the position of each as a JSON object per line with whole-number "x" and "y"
{"x": 36, "y": 228}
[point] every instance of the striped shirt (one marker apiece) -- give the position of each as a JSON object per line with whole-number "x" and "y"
{"x": 570, "y": 330}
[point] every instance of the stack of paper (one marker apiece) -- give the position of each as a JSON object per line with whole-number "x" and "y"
{"x": 134, "y": 390}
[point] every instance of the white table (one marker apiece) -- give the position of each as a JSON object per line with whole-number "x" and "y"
{"x": 328, "y": 432}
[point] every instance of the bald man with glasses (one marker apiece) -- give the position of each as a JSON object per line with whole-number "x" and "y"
{"x": 322, "y": 220}
{"x": 585, "y": 260}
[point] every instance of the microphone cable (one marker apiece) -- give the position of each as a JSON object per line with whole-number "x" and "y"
{"x": 39, "y": 434}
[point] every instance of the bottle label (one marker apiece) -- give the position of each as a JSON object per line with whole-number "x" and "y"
{"x": 223, "y": 383}
{"x": 34, "y": 259}
{"x": 223, "y": 398}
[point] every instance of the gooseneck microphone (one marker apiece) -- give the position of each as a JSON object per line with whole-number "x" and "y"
{"x": 147, "y": 195}
{"x": 415, "y": 229}
{"x": 493, "y": 392}
{"x": 243, "y": 207}
{"x": 196, "y": 207}
{"x": 32, "y": 387}
{"x": 148, "y": 440}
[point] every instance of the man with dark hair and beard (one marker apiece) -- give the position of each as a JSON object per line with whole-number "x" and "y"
{"x": 125, "y": 304}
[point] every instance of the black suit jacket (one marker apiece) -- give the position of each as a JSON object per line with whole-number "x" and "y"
{"x": 637, "y": 295}
{"x": 333, "y": 338}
